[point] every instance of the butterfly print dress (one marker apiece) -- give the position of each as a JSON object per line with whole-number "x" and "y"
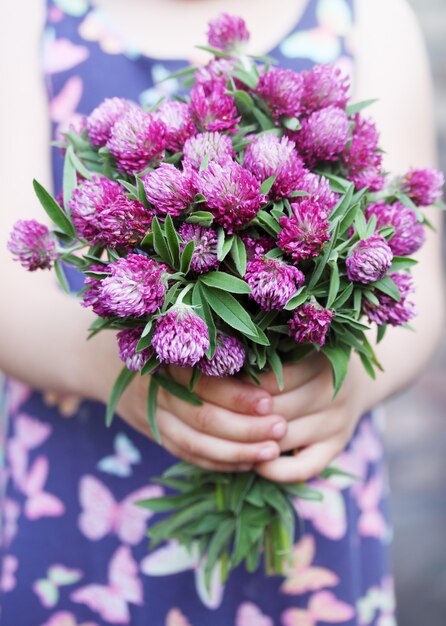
{"x": 73, "y": 545}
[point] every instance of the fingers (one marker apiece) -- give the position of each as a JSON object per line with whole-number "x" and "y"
{"x": 306, "y": 464}
{"x": 294, "y": 375}
{"x": 228, "y": 392}
{"x": 313, "y": 396}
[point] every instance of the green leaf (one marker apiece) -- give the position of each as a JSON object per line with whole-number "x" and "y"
{"x": 243, "y": 101}
{"x": 334, "y": 285}
{"x": 224, "y": 244}
{"x": 238, "y": 253}
{"x": 53, "y": 210}
{"x": 185, "y": 71}
{"x": 61, "y": 276}
{"x": 368, "y": 365}
{"x": 159, "y": 243}
{"x": 276, "y": 366}
{"x": 196, "y": 375}
{"x": 204, "y": 218}
{"x": 381, "y": 333}
{"x": 199, "y": 300}
{"x": 80, "y": 167}
{"x": 291, "y": 123}
{"x": 265, "y": 187}
{"x": 69, "y": 177}
{"x": 150, "y": 366}
{"x": 303, "y": 492}
{"x": 323, "y": 260}
{"x": 268, "y": 222}
{"x": 186, "y": 257}
{"x": 246, "y": 78}
{"x": 176, "y": 389}
{"x": 347, "y": 319}
{"x": 264, "y": 121}
{"x": 343, "y": 296}
{"x": 219, "y": 543}
{"x": 173, "y": 241}
{"x": 339, "y": 359}
{"x": 147, "y": 242}
{"x": 215, "y": 51}
{"x": 386, "y": 285}
{"x": 297, "y": 300}
{"x": 122, "y": 382}
{"x": 402, "y": 263}
{"x": 352, "y": 109}
{"x": 152, "y": 395}
{"x": 231, "y": 311}
{"x": 225, "y": 282}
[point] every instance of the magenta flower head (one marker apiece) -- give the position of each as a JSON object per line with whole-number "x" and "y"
{"x": 390, "y": 311}
{"x": 136, "y": 286}
{"x": 179, "y": 123}
{"x": 102, "y": 119}
{"x": 212, "y": 108}
{"x": 310, "y": 324}
{"x": 282, "y": 90}
{"x": 409, "y": 232}
{"x": 169, "y": 189}
{"x": 305, "y": 232}
{"x": 137, "y": 140}
{"x": 257, "y": 246}
{"x": 128, "y": 339}
{"x": 91, "y": 296}
{"x": 370, "y": 260}
{"x": 227, "y": 32}
{"x": 204, "y": 257}
{"x": 272, "y": 282}
{"x": 103, "y": 215}
{"x": 232, "y": 194}
{"x": 363, "y": 157}
{"x": 325, "y": 86}
{"x": 228, "y": 358}
{"x": 324, "y": 135}
{"x": 216, "y": 147}
{"x": 269, "y": 156}
{"x": 217, "y": 69}
{"x": 180, "y": 337}
{"x": 32, "y": 245}
{"x": 424, "y": 187}
{"x": 319, "y": 189}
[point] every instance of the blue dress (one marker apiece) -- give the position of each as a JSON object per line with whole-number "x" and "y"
{"x": 73, "y": 546}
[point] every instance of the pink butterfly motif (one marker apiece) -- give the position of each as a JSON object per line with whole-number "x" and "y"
{"x": 176, "y": 618}
{"x": 124, "y": 587}
{"x": 61, "y": 54}
{"x": 249, "y": 614}
{"x": 371, "y": 521}
{"x": 64, "y": 618}
{"x": 102, "y": 515}
{"x": 29, "y": 433}
{"x": 47, "y": 589}
{"x": 39, "y": 503}
{"x": 322, "y": 606}
{"x": 126, "y": 455}
{"x": 328, "y": 516}
{"x": 11, "y": 513}
{"x": 8, "y": 580}
{"x": 302, "y": 576}
{"x": 173, "y": 559}
{"x": 379, "y": 604}
{"x": 17, "y": 393}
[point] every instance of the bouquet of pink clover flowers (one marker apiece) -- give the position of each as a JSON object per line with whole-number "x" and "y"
{"x": 233, "y": 230}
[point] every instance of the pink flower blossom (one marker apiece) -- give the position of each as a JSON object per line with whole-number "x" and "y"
{"x": 305, "y": 232}
{"x": 169, "y": 189}
{"x": 319, "y": 189}
{"x": 227, "y": 32}
{"x": 272, "y": 282}
{"x": 137, "y": 140}
{"x": 32, "y": 244}
{"x": 423, "y": 186}
{"x": 390, "y": 311}
{"x": 213, "y": 109}
{"x": 324, "y": 135}
{"x": 325, "y": 86}
{"x": 204, "y": 257}
{"x": 216, "y": 147}
{"x": 91, "y": 296}
{"x": 310, "y": 324}
{"x": 135, "y": 286}
{"x": 232, "y": 194}
{"x": 103, "y": 214}
{"x": 257, "y": 246}
{"x": 370, "y": 260}
{"x": 179, "y": 123}
{"x": 216, "y": 69}
{"x": 228, "y": 358}
{"x": 128, "y": 339}
{"x": 269, "y": 156}
{"x": 101, "y": 120}
{"x": 409, "y": 232}
{"x": 282, "y": 90}
{"x": 363, "y": 157}
{"x": 180, "y": 337}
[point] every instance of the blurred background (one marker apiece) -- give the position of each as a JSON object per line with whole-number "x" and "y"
{"x": 416, "y": 426}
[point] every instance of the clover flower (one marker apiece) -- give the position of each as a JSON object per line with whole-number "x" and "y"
{"x": 135, "y": 286}
{"x": 423, "y": 186}
{"x": 324, "y": 86}
{"x": 169, "y": 189}
{"x": 227, "y": 32}
{"x": 310, "y": 324}
{"x": 319, "y": 190}
{"x": 228, "y": 358}
{"x": 101, "y": 120}
{"x": 257, "y": 246}
{"x": 269, "y": 155}
{"x": 282, "y": 90}
{"x": 305, "y": 232}
{"x": 212, "y": 108}
{"x": 179, "y": 123}
{"x": 91, "y": 296}
{"x": 232, "y": 194}
{"x": 204, "y": 257}
{"x": 390, "y": 311}
{"x": 103, "y": 215}
{"x": 370, "y": 260}
{"x": 324, "y": 135}
{"x": 215, "y": 70}
{"x": 32, "y": 244}
{"x": 180, "y": 337}
{"x": 128, "y": 339}
{"x": 363, "y": 158}
{"x": 215, "y": 147}
{"x": 409, "y": 232}
{"x": 272, "y": 282}
{"x": 137, "y": 140}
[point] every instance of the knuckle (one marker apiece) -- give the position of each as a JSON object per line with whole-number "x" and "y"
{"x": 204, "y": 417}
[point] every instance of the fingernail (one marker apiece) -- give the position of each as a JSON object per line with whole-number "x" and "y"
{"x": 267, "y": 454}
{"x": 278, "y": 430}
{"x": 264, "y": 406}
